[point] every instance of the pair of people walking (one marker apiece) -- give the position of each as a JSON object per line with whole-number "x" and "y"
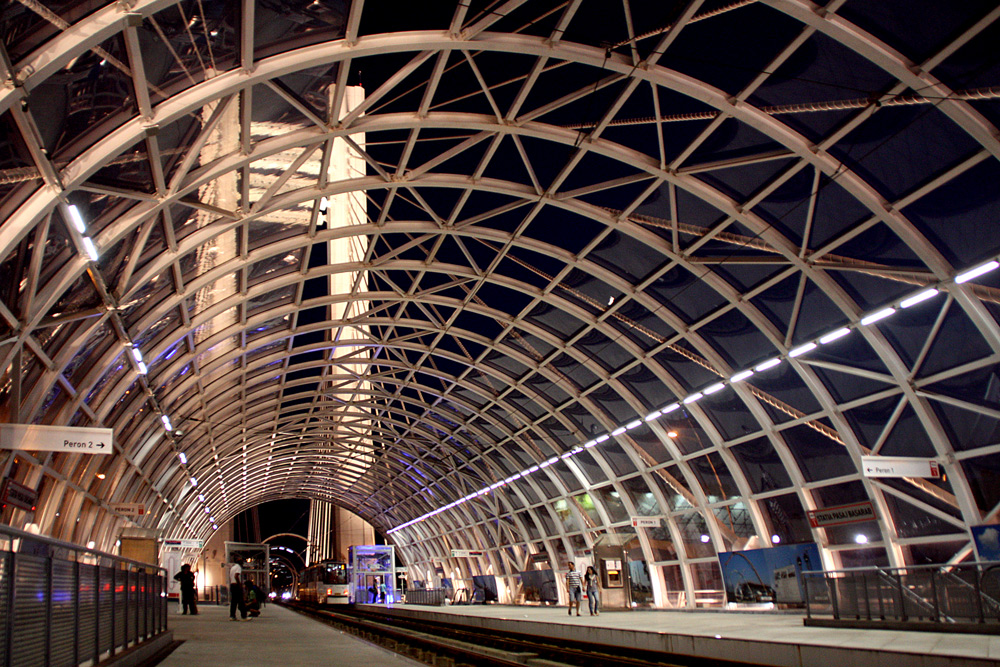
{"x": 574, "y": 586}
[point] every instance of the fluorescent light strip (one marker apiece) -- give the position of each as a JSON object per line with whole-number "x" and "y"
{"x": 166, "y": 422}
{"x": 739, "y": 377}
{"x": 618, "y": 431}
{"x": 655, "y": 414}
{"x": 76, "y": 218}
{"x": 142, "y": 368}
{"x": 834, "y": 335}
{"x": 919, "y": 297}
{"x": 877, "y": 316}
{"x": 718, "y": 386}
{"x": 91, "y": 249}
{"x": 184, "y": 459}
{"x": 801, "y": 349}
{"x": 137, "y": 355}
{"x": 976, "y": 272}
{"x": 692, "y": 398}
{"x": 633, "y": 424}
{"x": 770, "y": 363}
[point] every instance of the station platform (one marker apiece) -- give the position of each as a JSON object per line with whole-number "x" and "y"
{"x": 278, "y": 637}
{"x": 759, "y": 638}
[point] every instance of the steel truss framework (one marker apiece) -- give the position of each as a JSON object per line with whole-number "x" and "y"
{"x": 577, "y": 213}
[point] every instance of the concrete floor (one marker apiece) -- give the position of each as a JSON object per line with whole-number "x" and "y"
{"x": 282, "y": 637}
{"x": 762, "y": 637}
{"x": 279, "y": 637}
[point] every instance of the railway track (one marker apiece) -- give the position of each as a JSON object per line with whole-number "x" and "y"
{"x": 449, "y": 645}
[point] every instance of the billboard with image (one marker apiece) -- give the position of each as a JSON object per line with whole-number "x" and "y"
{"x": 987, "y": 540}
{"x": 759, "y": 576}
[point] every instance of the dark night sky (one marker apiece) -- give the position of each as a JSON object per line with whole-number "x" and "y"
{"x": 278, "y": 516}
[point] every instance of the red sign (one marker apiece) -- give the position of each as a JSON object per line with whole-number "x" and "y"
{"x": 18, "y": 495}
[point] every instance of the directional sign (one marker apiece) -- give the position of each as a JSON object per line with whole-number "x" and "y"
{"x": 18, "y": 495}
{"x": 130, "y": 510}
{"x": 56, "y": 438}
{"x": 464, "y": 553}
{"x": 645, "y": 522}
{"x": 899, "y": 466}
{"x": 184, "y": 544}
{"x": 842, "y": 514}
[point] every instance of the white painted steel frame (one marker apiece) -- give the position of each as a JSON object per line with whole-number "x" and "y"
{"x": 390, "y": 495}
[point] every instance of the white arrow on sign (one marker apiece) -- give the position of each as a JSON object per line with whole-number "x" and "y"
{"x": 899, "y": 466}
{"x": 32, "y": 437}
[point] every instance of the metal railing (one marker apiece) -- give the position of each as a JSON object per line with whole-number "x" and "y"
{"x": 62, "y": 604}
{"x": 427, "y": 596}
{"x": 963, "y": 593}
{"x": 214, "y": 595}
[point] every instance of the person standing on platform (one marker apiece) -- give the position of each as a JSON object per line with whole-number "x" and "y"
{"x": 593, "y": 590}
{"x": 575, "y": 588}
{"x": 236, "y": 593}
{"x": 189, "y": 595}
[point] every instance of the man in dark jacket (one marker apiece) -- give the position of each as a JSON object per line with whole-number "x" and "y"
{"x": 189, "y": 597}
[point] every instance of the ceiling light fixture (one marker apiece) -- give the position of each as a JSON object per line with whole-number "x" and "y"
{"x": 770, "y": 363}
{"x": 919, "y": 297}
{"x": 976, "y": 272}
{"x": 739, "y": 377}
{"x": 834, "y": 335}
{"x": 76, "y": 218}
{"x": 801, "y": 349}
{"x": 91, "y": 249}
{"x": 877, "y": 316}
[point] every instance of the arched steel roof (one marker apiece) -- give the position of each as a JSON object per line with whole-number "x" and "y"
{"x": 573, "y": 215}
